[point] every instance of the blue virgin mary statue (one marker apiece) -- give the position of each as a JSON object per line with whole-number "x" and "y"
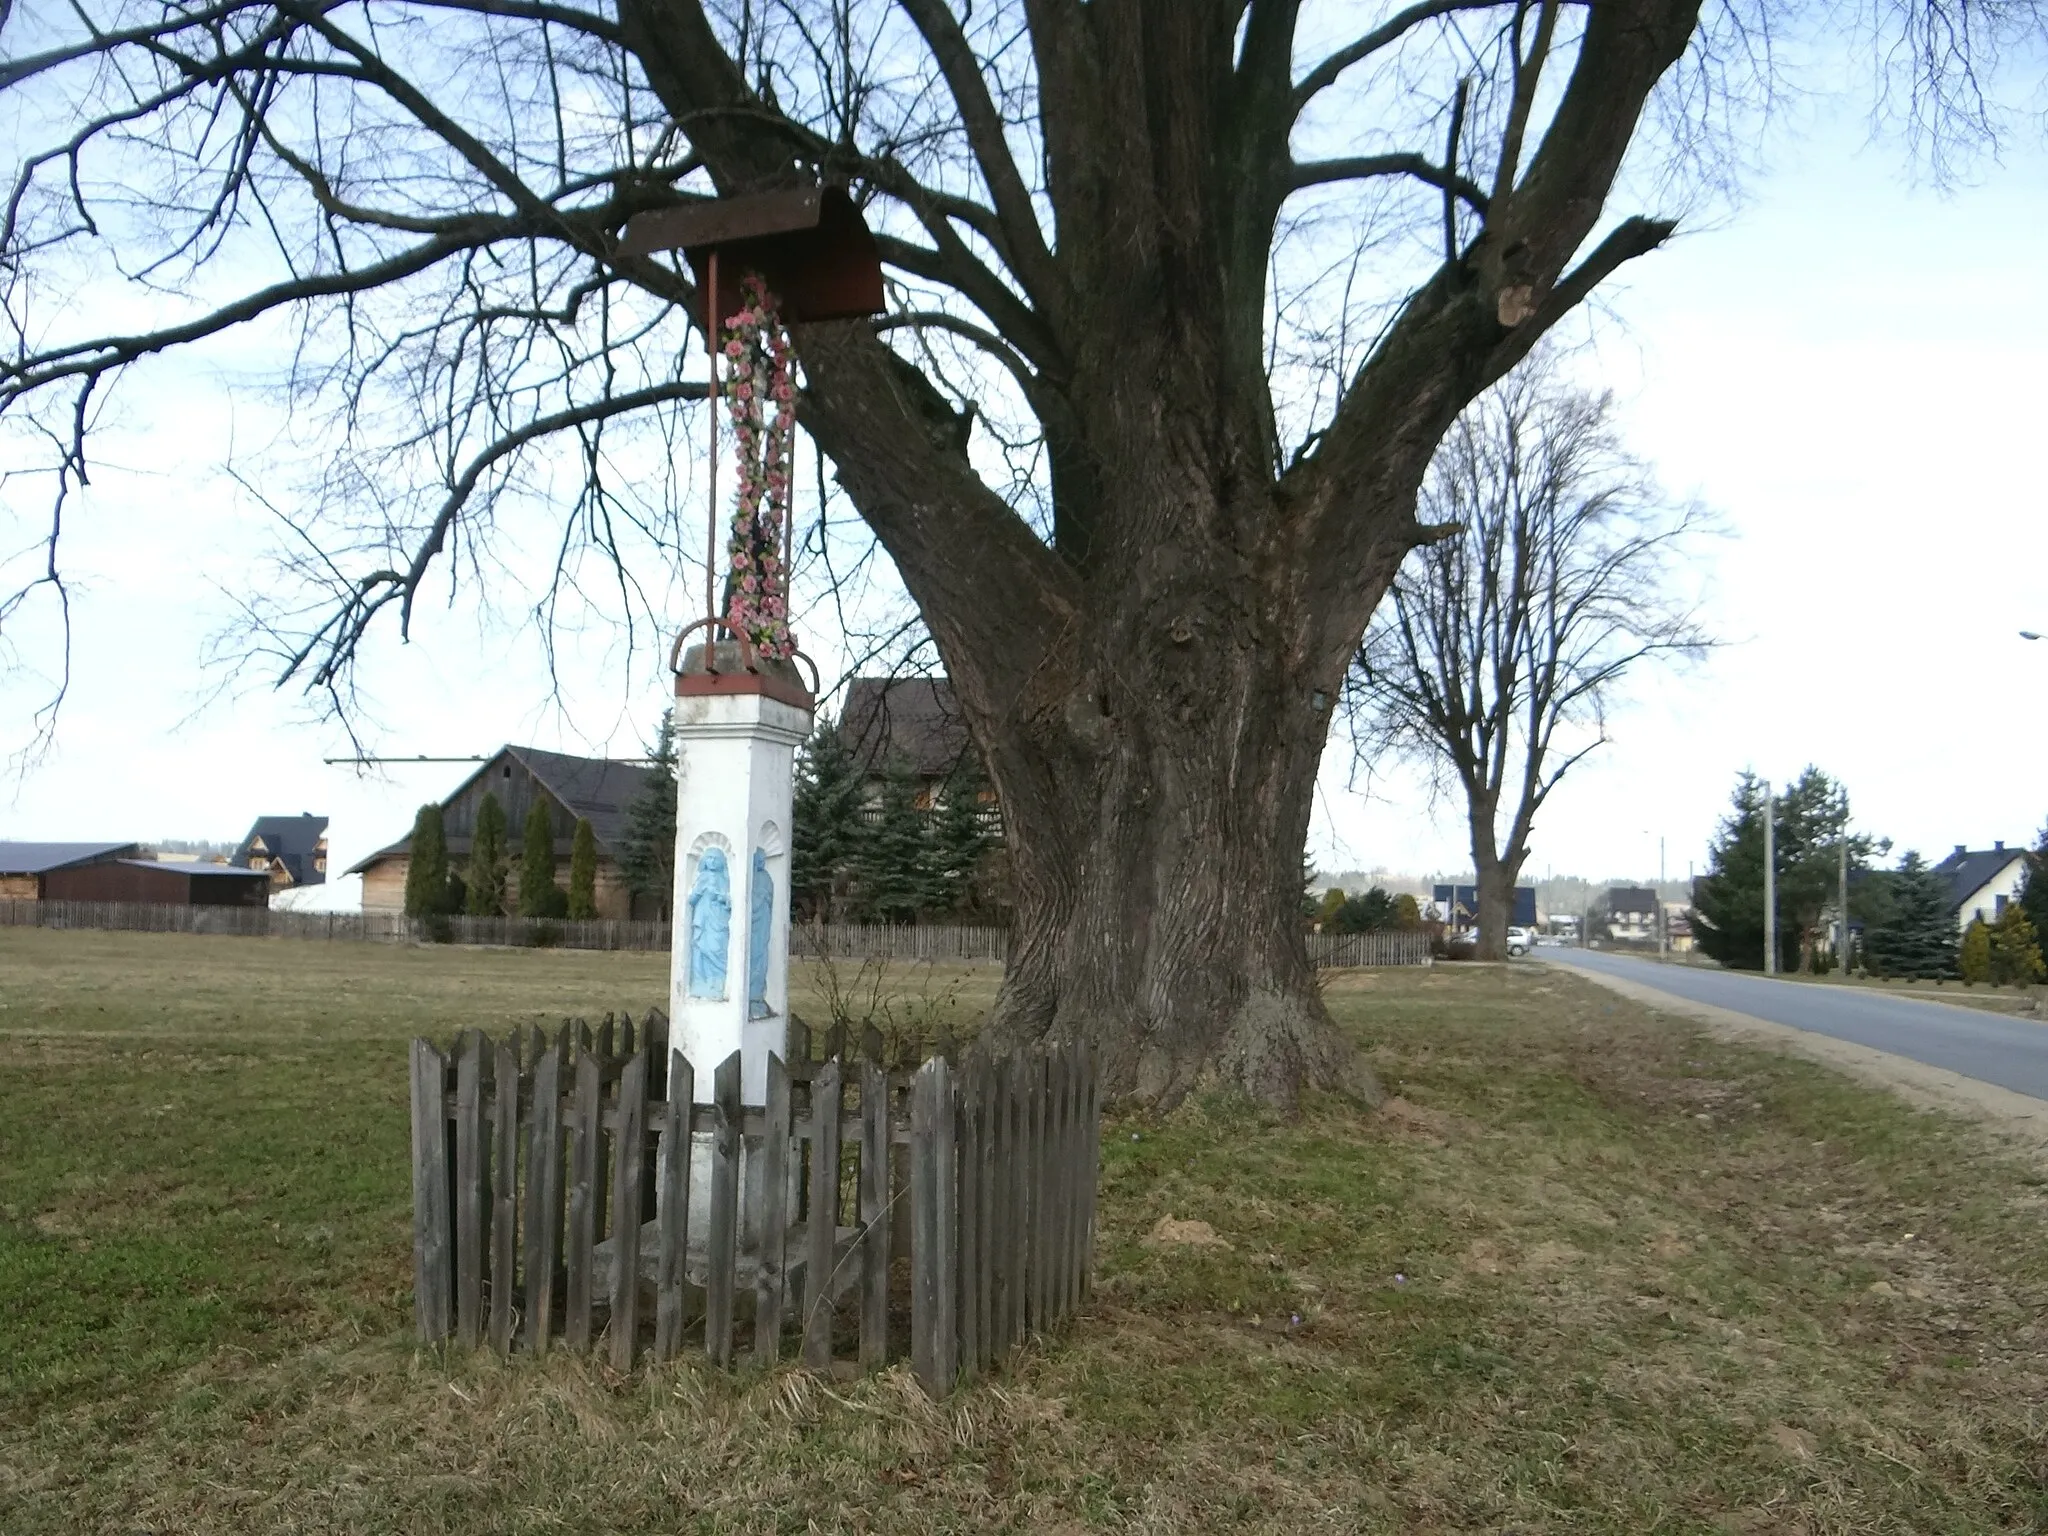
{"x": 710, "y": 924}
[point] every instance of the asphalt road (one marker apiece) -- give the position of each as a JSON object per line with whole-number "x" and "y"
{"x": 1992, "y": 1047}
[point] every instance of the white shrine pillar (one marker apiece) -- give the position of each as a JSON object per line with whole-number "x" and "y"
{"x": 736, "y": 735}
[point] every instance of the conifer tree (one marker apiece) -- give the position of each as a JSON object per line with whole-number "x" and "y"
{"x": 955, "y": 840}
{"x": 829, "y": 831}
{"x": 1407, "y": 913}
{"x": 426, "y": 873}
{"x": 583, "y": 872}
{"x": 1917, "y": 938}
{"x": 2015, "y": 949}
{"x": 1730, "y": 900}
{"x": 1973, "y": 962}
{"x": 539, "y": 896}
{"x": 2034, "y": 889}
{"x": 647, "y": 848}
{"x": 891, "y": 867}
{"x": 487, "y": 861}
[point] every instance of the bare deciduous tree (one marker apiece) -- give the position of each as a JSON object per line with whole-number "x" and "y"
{"x": 1502, "y": 645}
{"x": 1185, "y": 293}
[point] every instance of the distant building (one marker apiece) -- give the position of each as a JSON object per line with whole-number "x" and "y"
{"x": 1678, "y": 937}
{"x": 600, "y": 790}
{"x": 1458, "y": 905}
{"x": 24, "y": 867}
{"x": 1983, "y": 883}
{"x": 292, "y": 850}
{"x": 914, "y": 722}
{"x": 1631, "y": 913}
{"x": 182, "y": 884}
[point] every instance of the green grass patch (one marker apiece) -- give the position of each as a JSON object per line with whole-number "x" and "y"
{"x": 1589, "y": 1271}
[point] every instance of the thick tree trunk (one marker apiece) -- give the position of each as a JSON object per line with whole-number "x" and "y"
{"x": 1158, "y": 874}
{"x": 1496, "y": 905}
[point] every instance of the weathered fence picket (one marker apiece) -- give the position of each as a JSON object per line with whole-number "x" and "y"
{"x": 538, "y": 1165}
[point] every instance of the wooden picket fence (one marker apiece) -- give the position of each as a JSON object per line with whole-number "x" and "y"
{"x": 1387, "y": 947}
{"x": 557, "y": 1195}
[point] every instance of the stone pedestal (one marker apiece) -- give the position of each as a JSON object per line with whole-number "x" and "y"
{"x": 736, "y": 734}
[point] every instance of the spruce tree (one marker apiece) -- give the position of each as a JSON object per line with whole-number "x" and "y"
{"x": 539, "y": 896}
{"x": 956, "y": 838}
{"x": 2015, "y": 949}
{"x": 487, "y": 862}
{"x": 1917, "y": 941}
{"x": 426, "y": 873}
{"x": 830, "y": 829}
{"x": 583, "y": 872}
{"x": 891, "y": 867}
{"x": 1729, "y": 902}
{"x": 647, "y": 848}
{"x": 2034, "y": 889}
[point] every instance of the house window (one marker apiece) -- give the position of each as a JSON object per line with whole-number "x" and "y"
{"x": 1999, "y": 910}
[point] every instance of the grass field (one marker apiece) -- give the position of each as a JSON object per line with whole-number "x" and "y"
{"x": 1589, "y": 1272}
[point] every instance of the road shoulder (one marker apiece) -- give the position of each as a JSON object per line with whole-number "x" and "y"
{"x": 2019, "y": 1116}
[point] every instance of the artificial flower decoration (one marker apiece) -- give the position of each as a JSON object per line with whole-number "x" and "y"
{"x": 761, "y": 399}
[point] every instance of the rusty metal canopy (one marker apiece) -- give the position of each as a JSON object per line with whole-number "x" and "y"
{"x": 811, "y": 245}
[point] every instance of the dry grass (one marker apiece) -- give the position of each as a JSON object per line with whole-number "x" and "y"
{"x": 2024, "y": 1001}
{"x": 1592, "y": 1273}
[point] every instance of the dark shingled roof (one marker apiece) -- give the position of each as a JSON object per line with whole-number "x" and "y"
{"x": 913, "y": 718}
{"x": 291, "y": 839}
{"x": 1631, "y": 899}
{"x": 41, "y": 858}
{"x": 1968, "y": 871}
{"x": 600, "y": 790}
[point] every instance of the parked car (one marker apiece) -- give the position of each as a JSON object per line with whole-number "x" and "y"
{"x": 1520, "y": 940}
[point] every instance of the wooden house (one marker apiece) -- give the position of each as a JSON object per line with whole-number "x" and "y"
{"x": 291, "y": 850}
{"x": 913, "y": 723}
{"x": 599, "y": 790}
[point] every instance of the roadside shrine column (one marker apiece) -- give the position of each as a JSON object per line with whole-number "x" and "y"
{"x": 736, "y": 730}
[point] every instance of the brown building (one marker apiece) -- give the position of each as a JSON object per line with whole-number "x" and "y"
{"x": 600, "y": 790}
{"x": 24, "y": 867}
{"x": 913, "y": 723}
{"x": 174, "y": 885}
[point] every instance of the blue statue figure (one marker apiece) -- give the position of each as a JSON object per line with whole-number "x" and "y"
{"x": 710, "y": 925}
{"x": 760, "y": 922}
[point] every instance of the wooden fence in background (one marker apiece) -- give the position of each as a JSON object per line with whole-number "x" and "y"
{"x": 945, "y": 943}
{"x": 573, "y": 1190}
{"x": 1390, "y": 946}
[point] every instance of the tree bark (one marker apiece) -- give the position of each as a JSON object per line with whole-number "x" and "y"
{"x": 1496, "y": 903}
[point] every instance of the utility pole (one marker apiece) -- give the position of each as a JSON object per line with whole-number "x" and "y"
{"x": 1842, "y": 954}
{"x": 1663, "y": 922}
{"x": 1770, "y": 882}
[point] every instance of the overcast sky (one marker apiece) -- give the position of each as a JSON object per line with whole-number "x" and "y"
{"x": 1847, "y": 371}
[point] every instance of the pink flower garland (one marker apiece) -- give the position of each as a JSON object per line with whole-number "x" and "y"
{"x": 759, "y": 374}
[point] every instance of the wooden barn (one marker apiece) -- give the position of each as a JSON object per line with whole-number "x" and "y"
{"x": 24, "y": 867}
{"x": 173, "y": 885}
{"x": 600, "y": 790}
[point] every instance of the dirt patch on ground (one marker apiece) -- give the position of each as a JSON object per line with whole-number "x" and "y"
{"x": 2020, "y": 1118}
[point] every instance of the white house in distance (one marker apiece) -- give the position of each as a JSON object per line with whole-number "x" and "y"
{"x": 1982, "y": 883}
